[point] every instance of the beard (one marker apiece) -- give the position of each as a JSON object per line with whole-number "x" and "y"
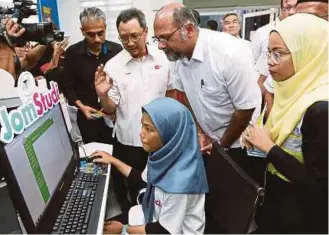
{"x": 172, "y": 55}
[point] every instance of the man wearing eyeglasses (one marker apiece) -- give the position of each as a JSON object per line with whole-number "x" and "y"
{"x": 216, "y": 83}
{"x": 133, "y": 78}
{"x": 81, "y": 62}
{"x": 214, "y": 73}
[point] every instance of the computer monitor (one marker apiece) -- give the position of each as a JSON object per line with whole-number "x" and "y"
{"x": 39, "y": 166}
{"x": 233, "y": 196}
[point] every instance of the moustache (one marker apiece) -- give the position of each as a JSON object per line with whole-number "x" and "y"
{"x": 172, "y": 55}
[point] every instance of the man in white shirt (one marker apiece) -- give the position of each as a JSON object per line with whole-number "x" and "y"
{"x": 259, "y": 48}
{"x": 231, "y": 24}
{"x": 131, "y": 79}
{"x": 214, "y": 72}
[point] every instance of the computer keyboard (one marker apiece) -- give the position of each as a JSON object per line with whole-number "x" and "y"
{"x": 75, "y": 212}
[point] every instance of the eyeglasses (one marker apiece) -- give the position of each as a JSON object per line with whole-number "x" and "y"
{"x": 164, "y": 39}
{"x": 134, "y": 37}
{"x": 276, "y": 56}
{"x": 93, "y": 34}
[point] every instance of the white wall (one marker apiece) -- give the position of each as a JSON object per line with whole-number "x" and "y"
{"x": 68, "y": 11}
{"x": 150, "y": 7}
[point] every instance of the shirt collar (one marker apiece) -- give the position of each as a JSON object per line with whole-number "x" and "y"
{"x": 83, "y": 49}
{"x": 127, "y": 57}
{"x": 198, "y": 49}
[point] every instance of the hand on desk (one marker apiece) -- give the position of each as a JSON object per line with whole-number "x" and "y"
{"x": 103, "y": 157}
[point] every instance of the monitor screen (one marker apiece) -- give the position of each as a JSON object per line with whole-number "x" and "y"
{"x": 39, "y": 158}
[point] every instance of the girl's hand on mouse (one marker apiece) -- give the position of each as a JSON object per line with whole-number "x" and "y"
{"x": 103, "y": 157}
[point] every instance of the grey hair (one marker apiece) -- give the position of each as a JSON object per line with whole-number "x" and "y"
{"x": 129, "y": 14}
{"x": 183, "y": 16}
{"x": 91, "y": 14}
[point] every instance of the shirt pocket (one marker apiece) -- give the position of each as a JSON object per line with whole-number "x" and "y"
{"x": 214, "y": 96}
{"x": 215, "y": 103}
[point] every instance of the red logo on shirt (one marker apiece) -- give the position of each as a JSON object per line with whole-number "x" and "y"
{"x": 157, "y": 67}
{"x": 158, "y": 203}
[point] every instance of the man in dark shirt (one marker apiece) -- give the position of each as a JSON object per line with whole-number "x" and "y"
{"x": 80, "y": 64}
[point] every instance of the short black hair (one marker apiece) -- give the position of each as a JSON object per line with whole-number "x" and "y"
{"x": 212, "y": 24}
{"x": 129, "y": 14}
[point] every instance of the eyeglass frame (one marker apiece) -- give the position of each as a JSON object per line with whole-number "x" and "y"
{"x": 130, "y": 37}
{"x": 165, "y": 40}
{"x": 277, "y": 61}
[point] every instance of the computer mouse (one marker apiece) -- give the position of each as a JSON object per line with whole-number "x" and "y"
{"x": 91, "y": 158}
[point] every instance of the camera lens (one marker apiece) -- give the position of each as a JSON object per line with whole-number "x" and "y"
{"x": 39, "y": 32}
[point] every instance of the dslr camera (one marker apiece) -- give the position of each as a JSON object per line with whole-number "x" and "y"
{"x": 43, "y": 33}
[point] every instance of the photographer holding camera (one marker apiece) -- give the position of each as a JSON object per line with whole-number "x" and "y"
{"x": 8, "y": 57}
{"x": 50, "y": 65}
{"x": 43, "y": 33}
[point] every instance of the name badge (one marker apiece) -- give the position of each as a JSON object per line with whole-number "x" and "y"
{"x": 256, "y": 153}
